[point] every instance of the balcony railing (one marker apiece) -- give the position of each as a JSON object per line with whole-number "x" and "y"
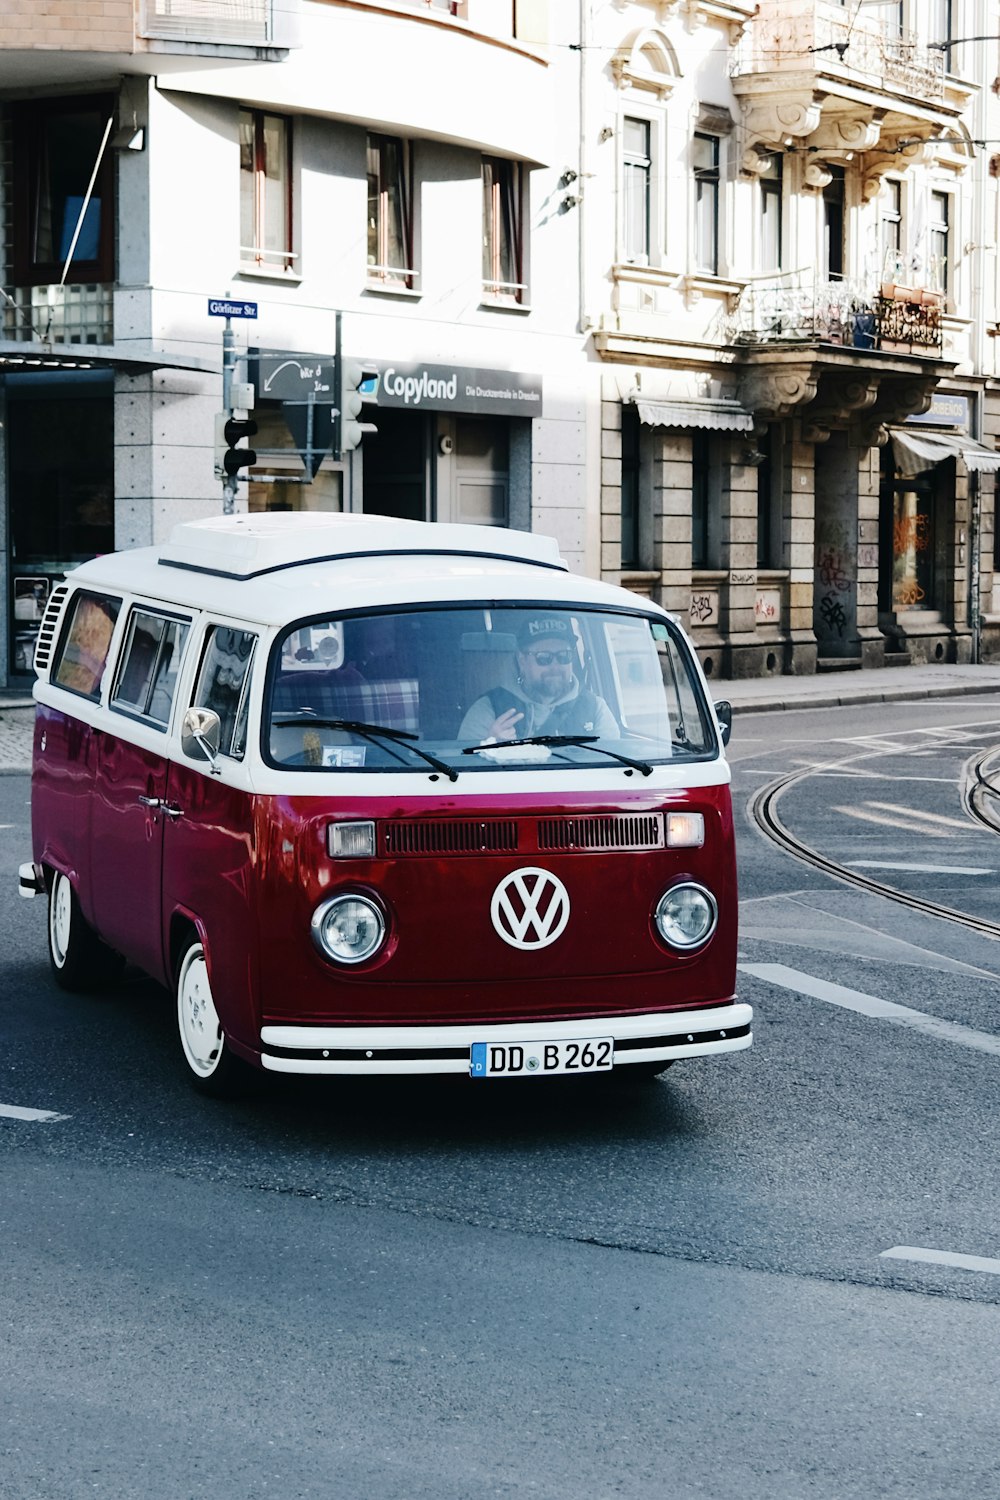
{"x": 856, "y": 315}
{"x": 59, "y": 314}
{"x": 247, "y": 22}
{"x": 811, "y": 33}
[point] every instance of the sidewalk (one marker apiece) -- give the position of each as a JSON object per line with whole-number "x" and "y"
{"x": 835, "y": 689}
{"x": 753, "y": 695}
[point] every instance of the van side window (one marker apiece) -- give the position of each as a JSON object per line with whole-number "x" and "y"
{"x": 150, "y": 663}
{"x": 86, "y": 639}
{"x": 223, "y": 684}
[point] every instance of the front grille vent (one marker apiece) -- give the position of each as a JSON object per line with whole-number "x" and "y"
{"x": 464, "y": 836}
{"x": 640, "y": 831}
{"x": 47, "y": 629}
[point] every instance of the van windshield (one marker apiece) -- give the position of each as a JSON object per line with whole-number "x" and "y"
{"x": 513, "y": 686}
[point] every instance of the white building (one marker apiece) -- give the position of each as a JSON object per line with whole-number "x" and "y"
{"x": 405, "y": 164}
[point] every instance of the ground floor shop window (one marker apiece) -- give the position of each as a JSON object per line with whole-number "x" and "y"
{"x": 913, "y": 535}
{"x": 631, "y": 537}
{"x": 60, "y": 488}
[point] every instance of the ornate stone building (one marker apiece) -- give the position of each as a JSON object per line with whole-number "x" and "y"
{"x": 789, "y": 215}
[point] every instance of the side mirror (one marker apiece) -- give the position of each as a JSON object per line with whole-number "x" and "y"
{"x": 724, "y": 714}
{"x": 201, "y": 733}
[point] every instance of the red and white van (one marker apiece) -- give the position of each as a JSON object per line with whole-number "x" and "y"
{"x": 375, "y": 797}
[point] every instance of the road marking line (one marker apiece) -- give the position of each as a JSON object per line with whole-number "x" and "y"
{"x": 17, "y": 1112}
{"x": 870, "y": 1005}
{"x": 922, "y": 817}
{"x": 874, "y": 817}
{"x": 888, "y": 864}
{"x": 943, "y": 1258}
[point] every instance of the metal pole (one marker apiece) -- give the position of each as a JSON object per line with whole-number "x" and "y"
{"x": 228, "y": 366}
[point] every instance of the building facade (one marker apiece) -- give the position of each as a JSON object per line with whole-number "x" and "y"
{"x": 789, "y": 323}
{"x": 312, "y": 164}
{"x": 706, "y": 289}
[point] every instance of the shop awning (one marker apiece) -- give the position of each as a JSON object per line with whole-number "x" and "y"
{"x": 28, "y": 357}
{"x": 712, "y": 414}
{"x": 917, "y": 451}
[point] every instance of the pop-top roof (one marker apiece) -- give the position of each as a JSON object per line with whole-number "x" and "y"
{"x": 246, "y": 546}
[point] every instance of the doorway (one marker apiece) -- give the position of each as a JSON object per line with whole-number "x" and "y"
{"x": 60, "y": 488}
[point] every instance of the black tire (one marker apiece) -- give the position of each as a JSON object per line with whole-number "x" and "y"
{"x": 211, "y": 1065}
{"x": 80, "y": 961}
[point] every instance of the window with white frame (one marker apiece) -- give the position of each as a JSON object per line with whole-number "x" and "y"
{"x": 503, "y": 231}
{"x": 940, "y": 20}
{"x": 939, "y": 242}
{"x": 706, "y": 151}
{"x": 390, "y": 224}
{"x": 891, "y": 229}
{"x": 637, "y": 166}
{"x": 769, "y": 252}
{"x": 265, "y": 191}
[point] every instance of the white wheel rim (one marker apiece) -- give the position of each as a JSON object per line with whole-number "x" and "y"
{"x": 60, "y": 919}
{"x": 198, "y": 1019}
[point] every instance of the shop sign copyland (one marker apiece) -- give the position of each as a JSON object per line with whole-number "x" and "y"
{"x": 457, "y": 388}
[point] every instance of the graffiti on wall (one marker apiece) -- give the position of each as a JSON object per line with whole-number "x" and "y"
{"x": 704, "y": 606}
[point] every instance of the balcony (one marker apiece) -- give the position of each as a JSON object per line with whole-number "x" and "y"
{"x": 896, "y": 319}
{"x": 79, "y": 41}
{"x": 839, "y": 81}
{"x": 75, "y": 314}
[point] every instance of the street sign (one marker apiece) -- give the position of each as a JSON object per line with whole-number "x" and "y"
{"x": 285, "y": 376}
{"x": 221, "y": 307}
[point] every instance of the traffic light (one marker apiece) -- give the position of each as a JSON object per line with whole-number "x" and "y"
{"x": 234, "y": 430}
{"x": 357, "y": 381}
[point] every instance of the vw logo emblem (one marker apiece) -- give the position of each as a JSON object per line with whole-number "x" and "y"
{"x": 530, "y": 908}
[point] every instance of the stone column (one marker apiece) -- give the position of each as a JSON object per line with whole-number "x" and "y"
{"x": 798, "y": 538}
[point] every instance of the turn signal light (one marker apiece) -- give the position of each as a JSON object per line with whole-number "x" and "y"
{"x": 685, "y": 830}
{"x": 351, "y": 840}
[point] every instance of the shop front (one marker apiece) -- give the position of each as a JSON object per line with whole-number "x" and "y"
{"x": 451, "y": 443}
{"x": 929, "y": 509}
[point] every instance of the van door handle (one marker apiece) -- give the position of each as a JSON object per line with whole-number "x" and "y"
{"x": 150, "y": 801}
{"x": 169, "y": 811}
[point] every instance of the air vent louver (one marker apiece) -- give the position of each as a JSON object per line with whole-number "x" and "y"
{"x": 640, "y": 831}
{"x": 467, "y": 836}
{"x": 47, "y": 629}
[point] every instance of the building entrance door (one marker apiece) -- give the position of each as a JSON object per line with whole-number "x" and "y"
{"x": 60, "y": 489}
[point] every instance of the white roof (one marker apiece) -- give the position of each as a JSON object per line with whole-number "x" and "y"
{"x": 241, "y": 546}
{"x": 276, "y": 568}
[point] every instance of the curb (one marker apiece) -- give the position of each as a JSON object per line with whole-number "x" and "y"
{"x": 853, "y": 700}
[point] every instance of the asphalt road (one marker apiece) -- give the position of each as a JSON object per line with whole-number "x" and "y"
{"x": 416, "y": 1290}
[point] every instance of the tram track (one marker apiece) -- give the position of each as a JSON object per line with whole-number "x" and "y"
{"x": 977, "y": 790}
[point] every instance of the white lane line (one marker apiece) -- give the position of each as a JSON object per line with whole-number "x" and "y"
{"x": 922, "y": 817}
{"x": 873, "y": 817}
{"x": 18, "y": 1112}
{"x": 890, "y": 864}
{"x": 870, "y": 1005}
{"x": 943, "y": 1258}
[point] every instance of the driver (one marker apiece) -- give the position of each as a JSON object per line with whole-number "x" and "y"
{"x": 548, "y": 697}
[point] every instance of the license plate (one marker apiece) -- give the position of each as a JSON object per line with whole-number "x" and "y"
{"x": 541, "y": 1059}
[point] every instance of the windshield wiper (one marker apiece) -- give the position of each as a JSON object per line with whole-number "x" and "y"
{"x": 371, "y": 732}
{"x": 585, "y": 741}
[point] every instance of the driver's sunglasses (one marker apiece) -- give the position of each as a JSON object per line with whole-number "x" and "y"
{"x": 546, "y": 658}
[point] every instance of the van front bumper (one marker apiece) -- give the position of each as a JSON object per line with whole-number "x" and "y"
{"x": 447, "y": 1049}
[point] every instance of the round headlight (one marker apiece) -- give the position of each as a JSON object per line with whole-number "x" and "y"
{"x": 348, "y": 928}
{"x": 686, "y": 915}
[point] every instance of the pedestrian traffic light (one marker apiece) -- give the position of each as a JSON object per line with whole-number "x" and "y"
{"x": 234, "y": 430}
{"x": 357, "y": 382}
